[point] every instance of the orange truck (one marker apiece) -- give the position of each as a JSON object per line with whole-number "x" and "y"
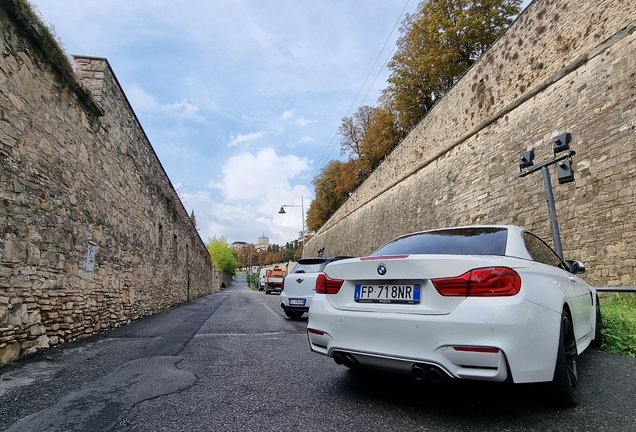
{"x": 274, "y": 279}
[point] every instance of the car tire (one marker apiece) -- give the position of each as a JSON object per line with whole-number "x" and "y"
{"x": 565, "y": 384}
{"x": 293, "y": 314}
{"x": 598, "y": 334}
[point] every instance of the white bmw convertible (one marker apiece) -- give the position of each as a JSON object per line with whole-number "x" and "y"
{"x": 491, "y": 303}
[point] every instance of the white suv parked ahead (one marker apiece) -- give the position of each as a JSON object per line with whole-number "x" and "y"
{"x": 299, "y": 286}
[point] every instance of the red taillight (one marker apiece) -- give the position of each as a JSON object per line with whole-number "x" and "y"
{"x": 481, "y": 282}
{"x": 326, "y": 285}
{"x": 282, "y": 285}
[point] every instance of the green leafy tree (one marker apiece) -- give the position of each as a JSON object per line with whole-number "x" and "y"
{"x": 193, "y": 219}
{"x": 440, "y": 41}
{"x": 287, "y": 255}
{"x": 222, "y": 255}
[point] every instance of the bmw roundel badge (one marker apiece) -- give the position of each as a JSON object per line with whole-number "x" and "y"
{"x": 381, "y": 269}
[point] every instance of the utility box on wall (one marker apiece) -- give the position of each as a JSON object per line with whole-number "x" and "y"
{"x": 90, "y": 257}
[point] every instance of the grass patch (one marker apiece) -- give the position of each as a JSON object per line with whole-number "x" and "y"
{"x": 618, "y": 312}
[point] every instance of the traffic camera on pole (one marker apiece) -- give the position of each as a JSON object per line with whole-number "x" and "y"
{"x": 563, "y": 160}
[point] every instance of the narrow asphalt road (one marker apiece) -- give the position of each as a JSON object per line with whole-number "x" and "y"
{"x": 232, "y": 361}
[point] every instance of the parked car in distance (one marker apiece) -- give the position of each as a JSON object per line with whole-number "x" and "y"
{"x": 490, "y": 303}
{"x": 299, "y": 286}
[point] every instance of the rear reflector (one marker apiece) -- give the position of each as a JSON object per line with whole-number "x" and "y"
{"x": 316, "y": 332}
{"x": 481, "y": 282}
{"x": 326, "y": 285}
{"x": 476, "y": 349}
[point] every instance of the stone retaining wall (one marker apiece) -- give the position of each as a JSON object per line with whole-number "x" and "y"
{"x": 92, "y": 233}
{"x": 563, "y": 66}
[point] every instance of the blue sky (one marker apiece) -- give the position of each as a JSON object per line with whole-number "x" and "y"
{"x": 241, "y": 99}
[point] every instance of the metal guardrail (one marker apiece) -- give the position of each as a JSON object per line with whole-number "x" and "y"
{"x": 616, "y": 289}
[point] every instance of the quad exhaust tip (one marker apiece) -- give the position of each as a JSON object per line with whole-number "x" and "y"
{"x": 419, "y": 371}
{"x": 425, "y": 372}
{"x": 345, "y": 359}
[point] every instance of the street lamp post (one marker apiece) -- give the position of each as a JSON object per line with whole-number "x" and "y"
{"x": 302, "y": 209}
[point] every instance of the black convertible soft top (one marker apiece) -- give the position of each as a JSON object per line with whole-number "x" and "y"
{"x": 451, "y": 241}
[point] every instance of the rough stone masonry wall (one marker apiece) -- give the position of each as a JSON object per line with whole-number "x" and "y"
{"x": 77, "y": 172}
{"x": 563, "y": 66}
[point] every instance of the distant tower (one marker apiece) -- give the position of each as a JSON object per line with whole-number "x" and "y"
{"x": 263, "y": 243}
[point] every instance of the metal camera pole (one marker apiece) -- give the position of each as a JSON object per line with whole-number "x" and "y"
{"x": 554, "y": 224}
{"x": 563, "y": 158}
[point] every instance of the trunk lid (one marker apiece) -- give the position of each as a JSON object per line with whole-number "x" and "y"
{"x": 403, "y": 271}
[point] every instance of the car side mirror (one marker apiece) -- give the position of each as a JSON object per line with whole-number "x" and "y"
{"x": 576, "y": 267}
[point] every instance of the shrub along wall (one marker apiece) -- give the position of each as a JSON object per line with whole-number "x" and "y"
{"x": 563, "y": 66}
{"x": 92, "y": 233}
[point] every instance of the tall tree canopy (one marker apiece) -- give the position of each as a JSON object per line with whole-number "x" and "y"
{"x": 246, "y": 256}
{"x": 352, "y": 131}
{"x": 440, "y": 41}
{"x": 222, "y": 255}
{"x": 327, "y": 199}
{"x": 367, "y": 138}
{"x": 381, "y": 136}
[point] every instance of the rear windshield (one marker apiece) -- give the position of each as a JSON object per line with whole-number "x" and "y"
{"x": 307, "y": 268}
{"x": 462, "y": 241}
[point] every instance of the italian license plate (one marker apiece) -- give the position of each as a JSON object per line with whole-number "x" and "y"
{"x": 297, "y": 302}
{"x": 390, "y": 293}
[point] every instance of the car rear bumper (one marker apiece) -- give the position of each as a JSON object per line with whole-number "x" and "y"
{"x": 284, "y": 302}
{"x": 295, "y": 308}
{"x": 517, "y": 341}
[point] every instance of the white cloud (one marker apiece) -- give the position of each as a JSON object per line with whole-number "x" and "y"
{"x": 302, "y": 121}
{"x": 306, "y": 139}
{"x": 264, "y": 176}
{"x": 140, "y": 100}
{"x": 242, "y": 221}
{"x": 287, "y": 115}
{"x": 216, "y": 219}
{"x": 183, "y": 110}
{"x": 241, "y": 138}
